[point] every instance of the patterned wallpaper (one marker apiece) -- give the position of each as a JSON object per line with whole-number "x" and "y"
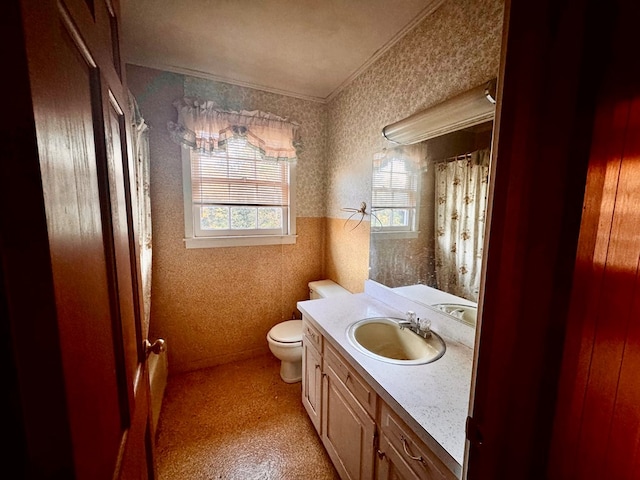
{"x": 454, "y": 49}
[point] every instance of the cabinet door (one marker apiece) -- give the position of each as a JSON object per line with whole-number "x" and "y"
{"x": 347, "y": 430}
{"x": 405, "y": 454}
{"x": 357, "y": 386}
{"x": 312, "y": 383}
{"x": 391, "y": 465}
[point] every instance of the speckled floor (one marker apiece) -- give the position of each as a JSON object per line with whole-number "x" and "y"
{"x": 238, "y": 421}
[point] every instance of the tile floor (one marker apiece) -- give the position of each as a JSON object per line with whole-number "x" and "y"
{"x": 238, "y": 421}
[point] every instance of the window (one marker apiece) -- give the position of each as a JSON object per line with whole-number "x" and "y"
{"x": 234, "y": 196}
{"x": 394, "y": 193}
{"x": 238, "y": 171}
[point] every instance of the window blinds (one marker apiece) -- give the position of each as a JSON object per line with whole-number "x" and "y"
{"x": 238, "y": 175}
{"x": 394, "y": 185}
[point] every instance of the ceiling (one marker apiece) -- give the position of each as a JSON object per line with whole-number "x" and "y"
{"x": 304, "y": 48}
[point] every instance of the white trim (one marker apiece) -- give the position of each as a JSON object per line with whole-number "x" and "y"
{"x": 245, "y": 241}
{"x": 186, "y": 190}
{"x": 292, "y": 200}
{"x": 222, "y": 79}
{"x": 397, "y": 235}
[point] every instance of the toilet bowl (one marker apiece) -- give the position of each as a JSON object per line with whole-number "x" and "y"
{"x": 285, "y": 338}
{"x": 285, "y": 342}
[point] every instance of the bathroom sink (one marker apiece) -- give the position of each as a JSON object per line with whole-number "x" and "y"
{"x": 383, "y": 339}
{"x": 466, "y": 313}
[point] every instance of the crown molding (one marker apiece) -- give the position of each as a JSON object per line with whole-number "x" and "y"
{"x": 231, "y": 81}
{"x": 424, "y": 13}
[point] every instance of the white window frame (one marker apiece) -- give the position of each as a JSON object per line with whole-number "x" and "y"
{"x": 250, "y": 238}
{"x": 399, "y": 232}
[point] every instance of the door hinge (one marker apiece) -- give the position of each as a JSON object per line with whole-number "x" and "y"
{"x": 472, "y": 431}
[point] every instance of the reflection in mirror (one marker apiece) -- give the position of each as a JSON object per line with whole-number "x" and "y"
{"x": 429, "y": 202}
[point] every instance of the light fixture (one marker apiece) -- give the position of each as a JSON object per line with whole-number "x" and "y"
{"x": 467, "y": 109}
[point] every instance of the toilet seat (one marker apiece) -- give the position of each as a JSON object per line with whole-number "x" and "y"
{"x": 287, "y": 332}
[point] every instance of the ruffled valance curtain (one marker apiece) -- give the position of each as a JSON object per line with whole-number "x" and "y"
{"x": 203, "y": 126}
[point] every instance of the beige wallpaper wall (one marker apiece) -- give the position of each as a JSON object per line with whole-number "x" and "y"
{"x": 452, "y": 50}
{"x": 216, "y": 305}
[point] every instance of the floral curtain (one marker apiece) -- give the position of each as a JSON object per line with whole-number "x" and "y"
{"x": 203, "y": 126}
{"x": 140, "y": 144}
{"x": 461, "y": 203}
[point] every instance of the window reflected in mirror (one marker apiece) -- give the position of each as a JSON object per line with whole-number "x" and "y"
{"x": 429, "y": 203}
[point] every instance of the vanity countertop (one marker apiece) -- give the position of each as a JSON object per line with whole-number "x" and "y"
{"x": 432, "y": 398}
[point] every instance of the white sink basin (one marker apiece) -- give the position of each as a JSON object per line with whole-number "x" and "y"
{"x": 466, "y": 313}
{"x": 383, "y": 339}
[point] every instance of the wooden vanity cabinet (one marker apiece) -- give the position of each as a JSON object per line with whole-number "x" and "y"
{"x": 363, "y": 436}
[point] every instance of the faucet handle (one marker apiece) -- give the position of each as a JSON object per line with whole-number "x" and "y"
{"x": 411, "y": 317}
{"x": 425, "y": 326}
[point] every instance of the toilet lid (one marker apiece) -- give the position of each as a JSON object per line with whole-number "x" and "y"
{"x": 287, "y": 332}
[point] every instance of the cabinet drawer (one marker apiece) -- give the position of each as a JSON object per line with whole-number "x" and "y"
{"x": 311, "y": 335}
{"x": 416, "y": 455}
{"x": 352, "y": 381}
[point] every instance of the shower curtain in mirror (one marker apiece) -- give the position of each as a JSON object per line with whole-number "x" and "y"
{"x": 140, "y": 144}
{"x": 461, "y": 201}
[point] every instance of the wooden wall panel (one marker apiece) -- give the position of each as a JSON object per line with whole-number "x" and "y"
{"x": 597, "y": 420}
{"x": 546, "y": 96}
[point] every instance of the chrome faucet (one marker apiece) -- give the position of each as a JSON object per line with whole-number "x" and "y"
{"x": 417, "y": 326}
{"x": 410, "y": 322}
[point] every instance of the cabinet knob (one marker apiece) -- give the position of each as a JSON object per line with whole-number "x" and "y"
{"x": 381, "y": 454}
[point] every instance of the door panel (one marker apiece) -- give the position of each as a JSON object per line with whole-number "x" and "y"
{"x": 135, "y": 380}
{"x": 81, "y": 124}
{"x": 117, "y": 177}
{"x": 597, "y": 420}
{"x": 64, "y": 119}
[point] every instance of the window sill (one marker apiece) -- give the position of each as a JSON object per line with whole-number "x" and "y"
{"x": 244, "y": 241}
{"x": 396, "y": 235}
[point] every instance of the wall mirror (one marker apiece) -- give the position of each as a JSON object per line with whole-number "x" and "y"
{"x": 429, "y": 202}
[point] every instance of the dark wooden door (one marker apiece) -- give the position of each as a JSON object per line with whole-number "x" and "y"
{"x": 597, "y": 427}
{"x": 557, "y": 354}
{"x": 597, "y": 421}
{"x": 94, "y": 422}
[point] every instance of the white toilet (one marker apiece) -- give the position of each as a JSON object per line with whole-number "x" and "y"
{"x": 285, "y": 338}
{"x": 285, "y": 342}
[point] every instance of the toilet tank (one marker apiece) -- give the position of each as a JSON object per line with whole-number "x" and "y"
{"x": 326, "y": 288}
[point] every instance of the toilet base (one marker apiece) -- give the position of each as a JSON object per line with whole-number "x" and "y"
{"x": 291, "y": 372}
